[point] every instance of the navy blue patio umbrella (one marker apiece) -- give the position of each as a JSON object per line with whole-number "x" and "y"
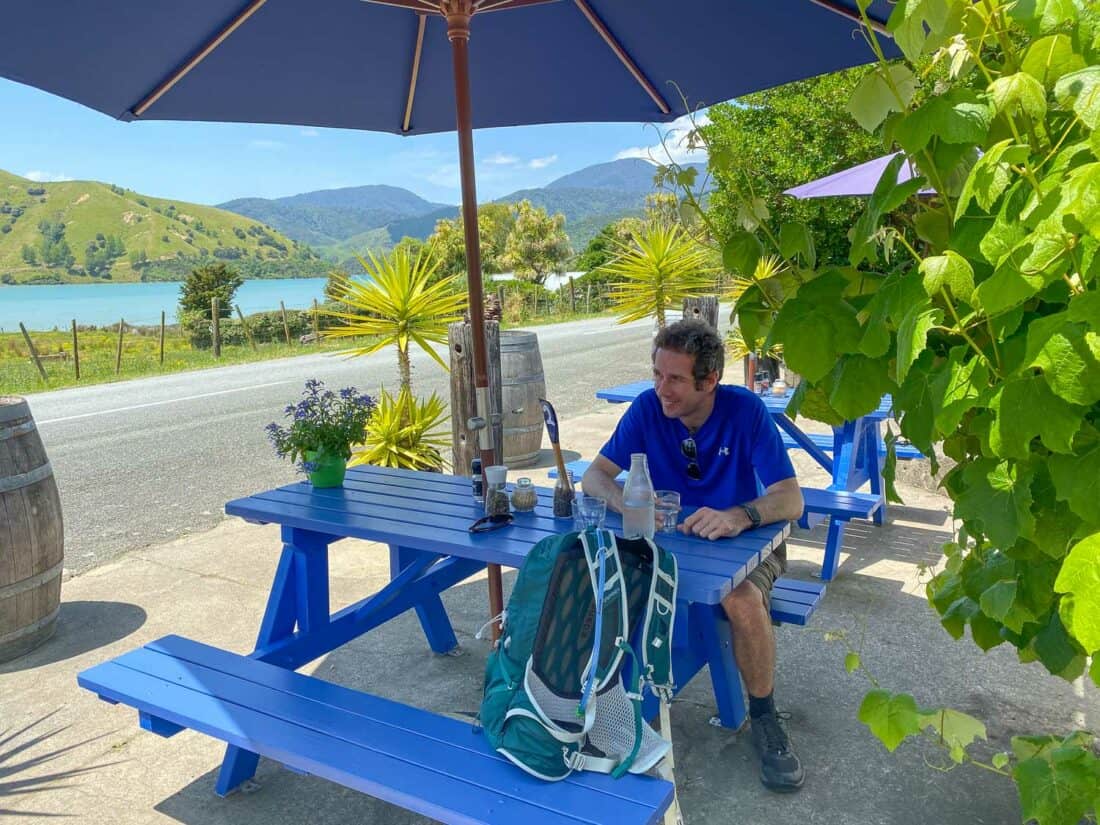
{"x": 420, "y": 66}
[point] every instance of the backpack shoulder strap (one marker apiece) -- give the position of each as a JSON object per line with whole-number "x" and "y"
{"x": 657, "y": 626}
{"x": 608, "y": 583}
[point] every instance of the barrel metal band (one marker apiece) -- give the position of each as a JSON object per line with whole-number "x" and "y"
{"x": 23, "y": 585}
{"x": 26, "y": 479}
{"x": 31, "y": 628}
{"x": 18, "y": 429}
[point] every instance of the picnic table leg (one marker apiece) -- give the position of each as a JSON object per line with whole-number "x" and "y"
{"x": 712, "y": 629}
{"x": 833, "y": 542}
{"x": 872, "y": 433}
{"x": 433, "y": 616}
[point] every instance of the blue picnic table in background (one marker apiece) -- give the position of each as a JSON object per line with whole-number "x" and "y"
{"x": 423, "y": 518}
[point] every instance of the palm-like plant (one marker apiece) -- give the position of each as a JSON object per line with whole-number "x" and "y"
{"x": 659, "y": 267}
{"x": 405, "y": 431}
{"x": 398, "y": 304}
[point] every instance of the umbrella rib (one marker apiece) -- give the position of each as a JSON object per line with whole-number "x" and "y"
{"x": 620, "y": 52}
{"x": 178, "y": 75}
{"x": 844, "y": 11}
{"x": 421, "y": 23}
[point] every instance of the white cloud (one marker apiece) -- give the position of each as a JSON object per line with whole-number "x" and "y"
{"x": 501, "y": 159}
{"x": 542, "y": 163}
{"x": 309, "y": 133}
{"x": 39, "y": 176}
{"x": 446, "y": 175}
{"x": 266, "y": 144}
{"x": 675, "y": 144}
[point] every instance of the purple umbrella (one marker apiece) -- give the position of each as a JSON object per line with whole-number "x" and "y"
{"x": 857, "y": 181}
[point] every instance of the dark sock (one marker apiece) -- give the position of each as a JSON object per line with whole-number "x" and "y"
{"x": 758, "y": 706}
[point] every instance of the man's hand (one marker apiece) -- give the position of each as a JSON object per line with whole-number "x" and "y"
{"x": 715, "y": 524}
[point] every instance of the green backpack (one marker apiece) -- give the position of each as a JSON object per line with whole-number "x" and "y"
{"x": 582, "y": 599}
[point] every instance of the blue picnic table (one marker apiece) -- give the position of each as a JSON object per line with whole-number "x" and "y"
{"x": 853, "y": 456}
{"x": 425, "y": 762}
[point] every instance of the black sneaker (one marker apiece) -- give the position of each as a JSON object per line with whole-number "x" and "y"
{"x": 780, "y": 768}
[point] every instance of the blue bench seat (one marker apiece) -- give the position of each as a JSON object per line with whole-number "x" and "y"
{"x": 433, "y": 765}
{"x": 824, "y": 442}
{"x": 794, "y": 601}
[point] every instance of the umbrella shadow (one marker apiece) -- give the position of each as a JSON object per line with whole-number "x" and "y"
{"x": 81, "y": 626}
{"x": 545, "y": 460}
{"x": 22, "y": 759}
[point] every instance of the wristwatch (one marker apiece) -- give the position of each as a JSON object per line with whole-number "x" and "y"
{"x": 753, "y": 514}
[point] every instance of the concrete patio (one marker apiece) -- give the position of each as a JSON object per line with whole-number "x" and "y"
{"x": 65, "y": 753}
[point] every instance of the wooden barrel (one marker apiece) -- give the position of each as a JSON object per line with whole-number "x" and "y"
{"x": 31, "y": 534}
{"x": 522, "y": 385}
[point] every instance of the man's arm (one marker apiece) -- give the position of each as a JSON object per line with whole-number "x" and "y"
{"x": 599, "y": 480}
{"x": 781, "y": 501}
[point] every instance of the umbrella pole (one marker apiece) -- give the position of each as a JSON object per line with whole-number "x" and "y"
{"x": 458, "y": 13}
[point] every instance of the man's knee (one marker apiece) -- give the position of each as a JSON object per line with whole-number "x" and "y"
{"x": 745, "y": 605}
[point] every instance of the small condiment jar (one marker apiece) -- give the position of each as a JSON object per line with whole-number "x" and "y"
{"x": 496, "y": 490}
{"x": 523, "y": 496}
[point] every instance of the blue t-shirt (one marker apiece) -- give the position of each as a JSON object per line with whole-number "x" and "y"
{"x": 736, "y": 444}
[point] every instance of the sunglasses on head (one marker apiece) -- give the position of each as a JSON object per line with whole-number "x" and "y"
{"x": 486, "y": 524}
{"x": 687, "y": 447}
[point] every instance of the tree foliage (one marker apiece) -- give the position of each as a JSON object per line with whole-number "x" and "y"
{"x": 205, "y": 283}
{"x": 979, "y": 311}
{"x": 494, "y": 221}
{"x": 537, "y": 244}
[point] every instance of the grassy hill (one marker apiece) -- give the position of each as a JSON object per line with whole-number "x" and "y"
{"x": 84, "y": 231}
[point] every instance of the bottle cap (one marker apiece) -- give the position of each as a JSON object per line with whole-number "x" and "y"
{"x": 475, "y": 466}
{"x": 497, "y": 474}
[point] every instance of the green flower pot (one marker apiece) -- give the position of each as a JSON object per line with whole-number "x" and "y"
{"x": 329, "y": 469}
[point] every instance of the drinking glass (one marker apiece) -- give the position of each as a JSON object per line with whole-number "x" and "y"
{"x": 589, "y": 511}
{"x": 666, "y": 510}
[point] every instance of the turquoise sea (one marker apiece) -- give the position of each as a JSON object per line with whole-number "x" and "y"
{"x": 56, "y": 305}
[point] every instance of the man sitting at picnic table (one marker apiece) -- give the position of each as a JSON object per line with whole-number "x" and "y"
{"x": 711, "y": 442}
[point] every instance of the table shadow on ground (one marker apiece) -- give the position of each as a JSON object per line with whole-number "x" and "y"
{"x": 866, "y": 543}
{"x": 81, "y": 626}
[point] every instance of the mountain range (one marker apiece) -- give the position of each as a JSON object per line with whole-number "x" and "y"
{"x": 341, "y": 222}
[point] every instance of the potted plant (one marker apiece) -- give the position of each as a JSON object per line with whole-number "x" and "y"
{"x": 323, "y": 426}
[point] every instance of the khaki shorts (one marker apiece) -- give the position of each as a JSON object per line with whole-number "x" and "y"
{"x": 765, "y": 573}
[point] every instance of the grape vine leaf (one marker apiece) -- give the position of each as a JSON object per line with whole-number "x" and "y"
{"x": 1068, "y": 353}
{"x": 816, "y": 327}
{"x": 891, "y": 717}
{"x": 997, "y": 496}
{"x": 1082, "y": 90}
{"x": 1036, "y": 261}
{"x": 955, "y": 729}
{"x": 741, "y": 252}
{"x": 1058, "y": 785}
{"x": 859, "y": 383}
{"x": 949, "y": 271}
{"x": 990, "y": 176}
{"x": 795, "y": 238}
{"x": 956, "y": 117}
{"x": 1079, "y": 582}
{"x": 1077, "y": 477}
{"x": 1057, "y": 650}
{"x": 1026, "y": 408}
{"x": 813, "y": 402}
{"x": 960, "y": 386}
{"x": 913, "y": 335}
{"x": 1018, "y": 92}
{"x": 851, "y": 661}
{"x": 873, "y": 99}
{"x": 1048, "y": 58}
{"x": 999, "y": 602}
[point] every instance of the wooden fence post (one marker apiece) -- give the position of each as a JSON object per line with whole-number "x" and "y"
{"x": 316, "y": 324}
{"x": 118, "y": 352}
{"x": 215, "y": 317}
{"x": 247, "y": 331}
{"x": 572, "y": 296}
{"x": 286, "y": 326}
{"x": 588, "y": 299}
{"x": 162, "y": 337}
{"x": 703, "y": 308}
{"x": 76, "y": 352}
{"x": 34, "y": 353}
{"x": 464, "y": 441}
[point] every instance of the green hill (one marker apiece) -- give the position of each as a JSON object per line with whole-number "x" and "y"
{"x": 84, "y": 231}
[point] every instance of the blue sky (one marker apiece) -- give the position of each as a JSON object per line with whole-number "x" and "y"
{"x": 48, "y": 138}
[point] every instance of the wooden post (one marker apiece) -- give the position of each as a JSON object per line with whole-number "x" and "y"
{"x": 464, "y": 441}
{"x": 316, "y": 324}
{"x": 76, "y": 352}
{"x": 572, "y": 296}
{"x": 703, "y": 308}
{"x": 162, "y": 337}
{"x": 34, "y": 353}
{"x": 286, "y": 326}
{"x": 215, "y": 317}
{"x": 588, "y": 299}
{"x": 118, "y": 351}
{"x": 247, "y": 331}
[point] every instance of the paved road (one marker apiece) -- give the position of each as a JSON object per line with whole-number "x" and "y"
{"x": 145, "y": 461}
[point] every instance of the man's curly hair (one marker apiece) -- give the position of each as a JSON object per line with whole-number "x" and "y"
{"x": 699, "y": 340}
